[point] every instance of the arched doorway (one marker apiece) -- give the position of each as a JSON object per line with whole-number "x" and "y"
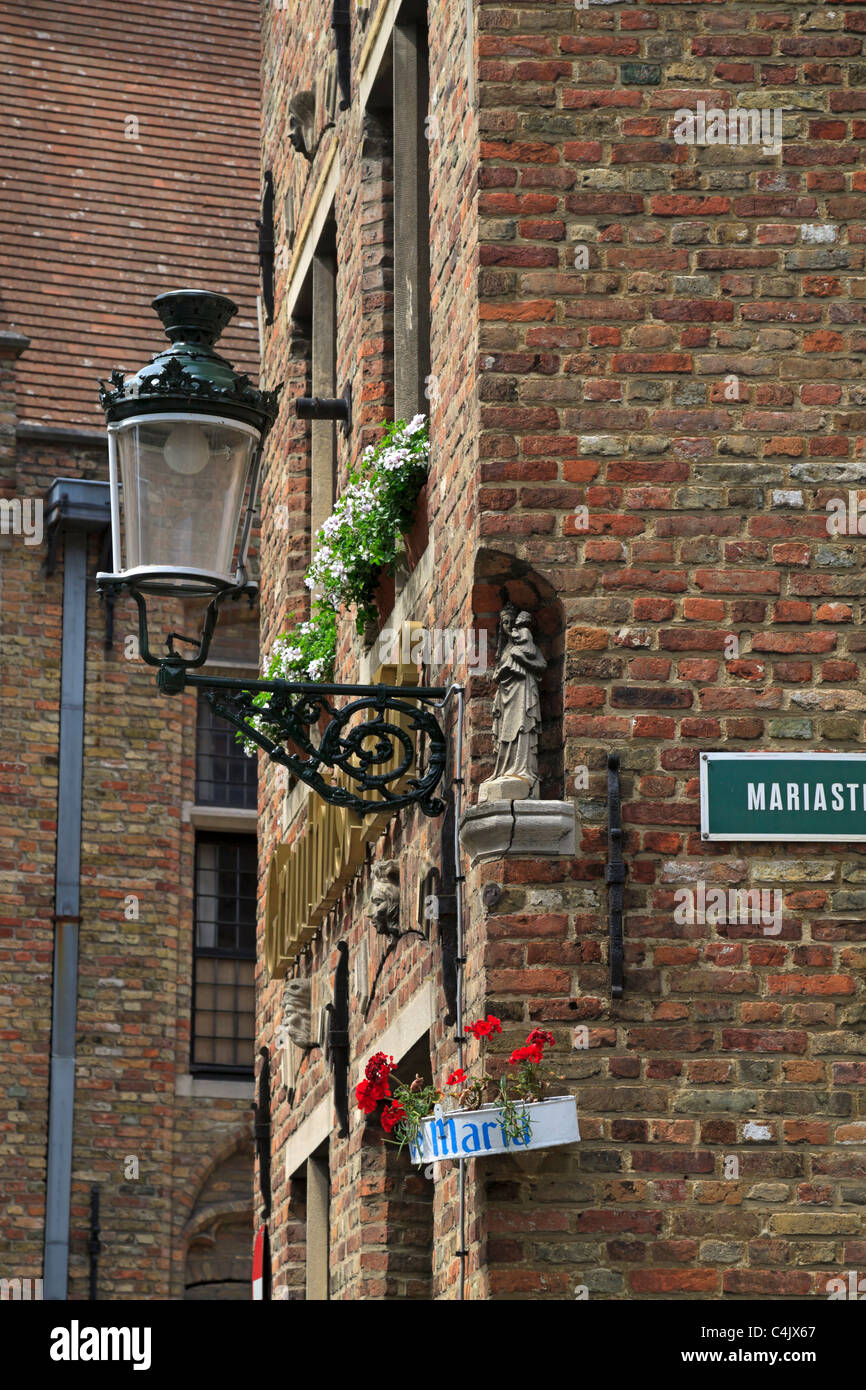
{"x": 219, "y": 1234}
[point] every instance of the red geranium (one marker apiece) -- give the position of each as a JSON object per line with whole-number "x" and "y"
{"x": 456, "y": 1078}
{"x": 379, "y": 1067}
{"x": 484, "y": 1028}
{"x": 541, "y": 1036}
{"x": 392, "y": 1115}
{"x": 368, "y": 1093}
{"x": 531, "y": 1053}
{"x": 366, "y": 1102}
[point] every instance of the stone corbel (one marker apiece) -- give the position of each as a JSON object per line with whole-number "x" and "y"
{"x": 526, "y": 829}
{"x": 384, "y": 907}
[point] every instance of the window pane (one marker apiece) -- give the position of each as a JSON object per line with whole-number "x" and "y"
{"x": 225, "y": 925}
{"x": 225, "y": 776}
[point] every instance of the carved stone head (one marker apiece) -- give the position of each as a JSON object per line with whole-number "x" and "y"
{"x": 296, "y": 1012}
{"x": 384, "y": 907}
{"x": 302, "y": 123}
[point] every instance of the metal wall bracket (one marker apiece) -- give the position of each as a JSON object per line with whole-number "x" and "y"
{"x": 337, "y": 1043}
{"x": 94, "y": 1244}
{"x": 341, "y": 25}
{"x": 376, "y": 754}
{"x": 614, "y": 875}
{"x": 262, "y": 1131}
{"x": 327, "y": 408}
{"x": 266, "y": 247}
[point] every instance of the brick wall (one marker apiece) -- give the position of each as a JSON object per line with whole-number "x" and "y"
{"x": 128, "y": 216}
{"x": 365, "y": 1192}
{"x": 694, "y": 384}
{"x": 648, "y": 369}
{"x": 134, "y": 999}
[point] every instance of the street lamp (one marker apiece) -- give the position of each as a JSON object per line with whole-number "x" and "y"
{"x": 186, "y": 433}
{"x": 184, "y": 445}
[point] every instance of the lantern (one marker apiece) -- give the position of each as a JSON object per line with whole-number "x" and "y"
{"x": 184, "y": 441}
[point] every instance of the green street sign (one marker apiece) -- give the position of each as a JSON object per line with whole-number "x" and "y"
{"x": 783, "y": 796}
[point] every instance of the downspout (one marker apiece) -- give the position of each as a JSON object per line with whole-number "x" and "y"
{"x": 73, "y": 508}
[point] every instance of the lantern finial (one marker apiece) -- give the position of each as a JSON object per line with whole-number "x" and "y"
{"x": 194, "y": 316}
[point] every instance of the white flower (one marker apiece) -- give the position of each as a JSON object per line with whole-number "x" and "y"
{"x": 414, "y": 425}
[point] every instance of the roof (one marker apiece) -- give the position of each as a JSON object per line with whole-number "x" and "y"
{"x": 131, "y": 166}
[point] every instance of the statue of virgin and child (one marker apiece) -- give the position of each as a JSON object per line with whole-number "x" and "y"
{"x": 516, "y": 710}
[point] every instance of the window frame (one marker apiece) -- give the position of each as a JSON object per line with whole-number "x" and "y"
{"x": 202, "y": 1068}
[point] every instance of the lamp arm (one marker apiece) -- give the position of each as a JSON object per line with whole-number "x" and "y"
{"x": 172, "y": 666}
{"x": 363, "y": 758}
{"x": 341, "y": 766}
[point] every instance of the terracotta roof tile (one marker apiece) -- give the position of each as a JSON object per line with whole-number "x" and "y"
{"x": 94, "y": 224}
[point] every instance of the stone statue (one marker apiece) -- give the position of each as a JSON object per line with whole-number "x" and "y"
{"x": 297, "y": 1015}
{"x": 516, "y": 711}
{"x": 384, "y": 908}
{"x": 302, "y": 123}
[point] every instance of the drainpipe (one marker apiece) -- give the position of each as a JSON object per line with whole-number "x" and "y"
{"x": 73, "y": 508}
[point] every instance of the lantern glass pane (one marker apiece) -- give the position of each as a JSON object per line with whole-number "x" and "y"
{"x": 183, "y": 489}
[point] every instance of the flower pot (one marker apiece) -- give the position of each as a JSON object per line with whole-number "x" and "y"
{"x": 479, "y": 1133}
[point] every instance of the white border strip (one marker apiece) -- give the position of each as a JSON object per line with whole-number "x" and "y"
{"x": 315, "y": 1130}
{"x": 787, "y": 836}
{"x": 371, "y": 58}
{"x": 310, "y": 234}
{"x": 410, "y": 1024}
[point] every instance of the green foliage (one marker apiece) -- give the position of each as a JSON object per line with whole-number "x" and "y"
{"x": 417, "y": 1105}
{"x": 362, "y": 534}
{"x": 359, "y": 538}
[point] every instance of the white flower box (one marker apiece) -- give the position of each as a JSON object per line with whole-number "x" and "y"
{"x": 479, "y": 1133}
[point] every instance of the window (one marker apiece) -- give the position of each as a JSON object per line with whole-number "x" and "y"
{"x": 224, "y": 954}
{"x": 323, "y": 433}
{"x": 411, "y": 215}
{"x": 397, "y": 133}
{"x": 224, "y": 775}
{"x": 314, "y": 337}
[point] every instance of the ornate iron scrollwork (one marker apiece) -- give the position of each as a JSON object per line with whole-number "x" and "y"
{"x": 360, "y": 743}
{"x": 376, "y": 753}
